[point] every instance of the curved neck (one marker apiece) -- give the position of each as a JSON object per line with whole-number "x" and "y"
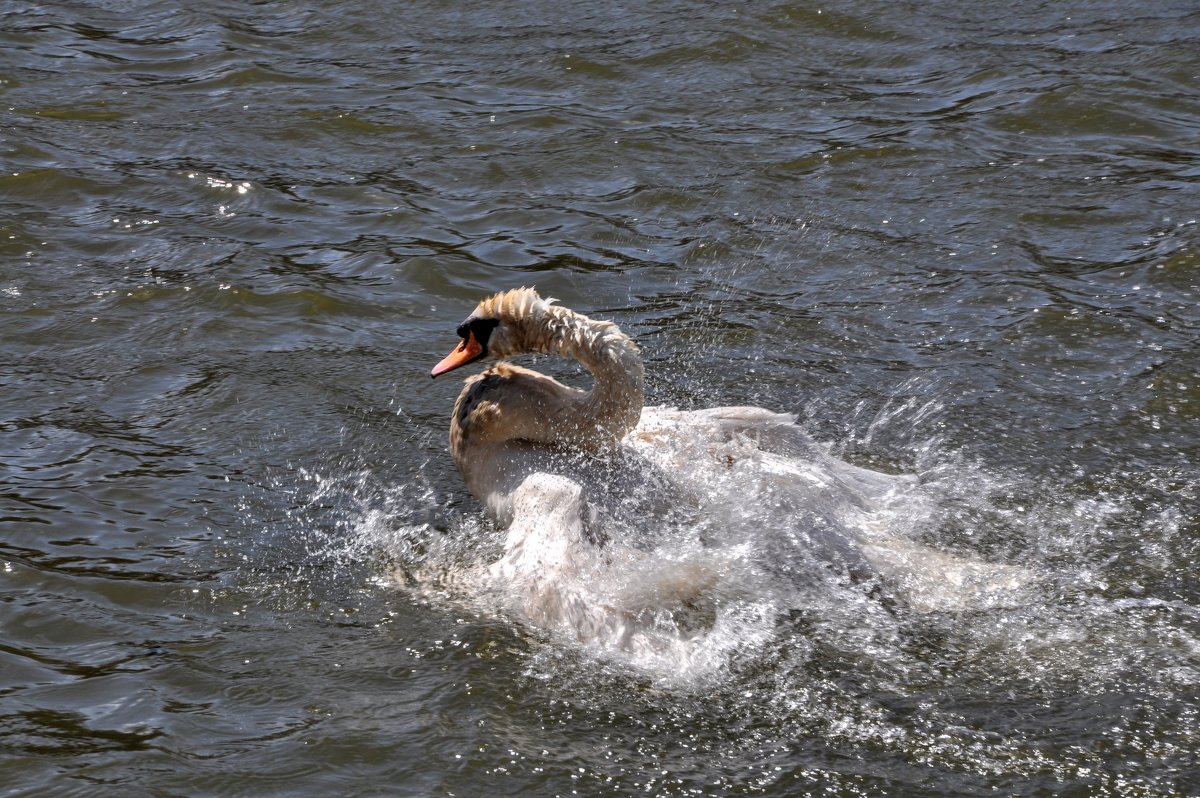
{"x": 614, "y": 404}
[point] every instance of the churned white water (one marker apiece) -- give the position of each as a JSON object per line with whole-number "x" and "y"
{"x": 762, "y": 552}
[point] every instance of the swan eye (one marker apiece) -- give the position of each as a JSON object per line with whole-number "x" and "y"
{"x": 482, "y": 329}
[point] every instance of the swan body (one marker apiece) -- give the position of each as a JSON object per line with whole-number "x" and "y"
{"x": 592, "y": 487}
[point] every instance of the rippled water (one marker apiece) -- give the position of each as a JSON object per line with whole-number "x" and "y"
{"x": 958, "y": 242}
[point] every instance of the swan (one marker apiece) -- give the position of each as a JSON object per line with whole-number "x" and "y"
{"x": 565, "y": 470}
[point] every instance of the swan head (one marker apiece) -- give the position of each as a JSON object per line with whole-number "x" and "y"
{"x": 503, "y": 325}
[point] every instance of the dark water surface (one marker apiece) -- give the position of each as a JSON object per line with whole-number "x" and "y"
{"x": 958, "y": 240}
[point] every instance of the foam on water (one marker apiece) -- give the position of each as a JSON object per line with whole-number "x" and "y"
{"x": 708, "y": 594}
{"x": 737, "y": 626}
{"x": 753, "y": 579}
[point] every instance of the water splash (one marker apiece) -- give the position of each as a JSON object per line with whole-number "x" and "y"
{"x": 749, "y": 583}
{"x": 778, "y": 646}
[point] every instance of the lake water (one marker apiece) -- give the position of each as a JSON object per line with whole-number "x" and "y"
{"x": 957, "y": 241}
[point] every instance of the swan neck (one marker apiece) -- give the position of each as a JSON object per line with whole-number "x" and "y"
{"x": 614, "y": 404}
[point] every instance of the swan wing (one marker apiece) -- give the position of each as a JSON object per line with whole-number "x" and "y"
{"x": 767, "y": 440}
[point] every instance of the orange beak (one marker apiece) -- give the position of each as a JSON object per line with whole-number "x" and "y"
{"x": 467, "y": 351}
